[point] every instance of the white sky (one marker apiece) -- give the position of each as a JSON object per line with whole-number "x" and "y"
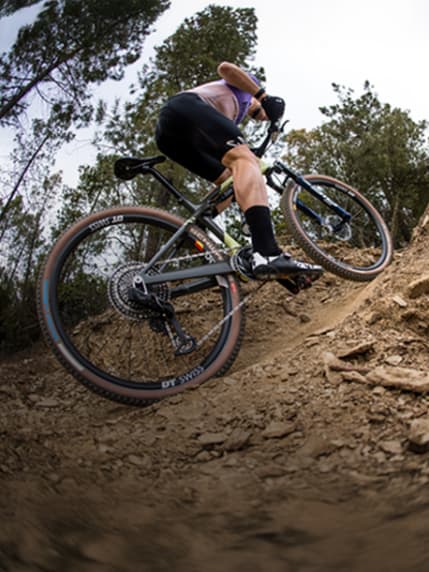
{"x": 304, "y": 46}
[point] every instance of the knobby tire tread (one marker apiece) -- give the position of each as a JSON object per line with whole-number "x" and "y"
{"x": 145, "y": 400}
{"x": 295, "y": 228}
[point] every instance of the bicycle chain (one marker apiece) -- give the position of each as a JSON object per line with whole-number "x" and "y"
{"x": 217, "y": 326}
{"x": 192, "y": 256}
{"x": 228, "y": 316}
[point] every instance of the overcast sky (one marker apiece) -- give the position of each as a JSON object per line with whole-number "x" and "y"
{"x": 304, "y": 46}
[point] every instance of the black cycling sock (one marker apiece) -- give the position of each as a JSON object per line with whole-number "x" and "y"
{"x": 261, "y": 229}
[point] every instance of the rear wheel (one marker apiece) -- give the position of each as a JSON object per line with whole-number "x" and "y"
{"x": 352, "y": 242}
{"x": 130, "y": 349}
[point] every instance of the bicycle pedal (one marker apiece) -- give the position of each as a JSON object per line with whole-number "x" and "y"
{"x": 241, "y": 263}
{"x": 304, "y": 282}
{"x": 296, "y": 284}
{"x": 289, "y": 284}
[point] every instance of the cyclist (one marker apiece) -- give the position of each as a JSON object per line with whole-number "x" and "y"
{"x": 198, "y": 128}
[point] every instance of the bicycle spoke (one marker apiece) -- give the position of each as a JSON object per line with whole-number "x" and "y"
{"x": 124, "y": 336}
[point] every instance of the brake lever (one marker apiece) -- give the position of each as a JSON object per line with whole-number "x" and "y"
{"x": 273, "y": 132}
{"x": 276, "y": 128}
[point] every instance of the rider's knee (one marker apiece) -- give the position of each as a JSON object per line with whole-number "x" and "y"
{"x": 239, "y": 154}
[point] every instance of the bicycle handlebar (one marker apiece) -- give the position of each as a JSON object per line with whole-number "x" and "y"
{"x": 273, "y": 131}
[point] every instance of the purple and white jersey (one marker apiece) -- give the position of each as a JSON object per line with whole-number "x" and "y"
{"x": 243, "y": 99}
{"x": 218, "y": 94}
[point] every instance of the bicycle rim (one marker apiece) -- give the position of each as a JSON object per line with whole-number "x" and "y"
{"x": 118, "y": 347}
{"x": 357, "y": 247}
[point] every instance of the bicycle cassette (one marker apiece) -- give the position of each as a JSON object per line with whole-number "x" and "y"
{"x": 121, "y": 284}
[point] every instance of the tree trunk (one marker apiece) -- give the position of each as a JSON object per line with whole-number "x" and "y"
{"x": 21, "y": 178}
{"x": 5, "y": 109}
{"x": 422, "y": 229}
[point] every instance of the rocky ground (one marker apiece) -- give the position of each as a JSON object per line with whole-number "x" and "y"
{"x": 310, "y": 455}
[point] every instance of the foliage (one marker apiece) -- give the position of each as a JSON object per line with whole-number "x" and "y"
{"x": 71, "y": 46}
{"x": 374, "y": 147}
{"x": 8, "y": 7}
{"x": 188, "y": 57}
{"x": 23, "y": 243}
{"x": 49, "y": 72}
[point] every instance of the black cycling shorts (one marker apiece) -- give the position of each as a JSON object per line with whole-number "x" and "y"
{"x": 194, "y": 134}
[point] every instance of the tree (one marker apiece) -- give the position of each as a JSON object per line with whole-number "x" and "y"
{"x": 71, "y": 46}
{"x": 10, "y": 6}
{"x": 188, "y": 57}
{"x": 23, "y": 242}
{"x": 374, "y": 147}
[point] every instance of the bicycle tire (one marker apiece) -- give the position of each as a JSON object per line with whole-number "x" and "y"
{"x": 102, "y": 339}
{"x": 364, "y": 254}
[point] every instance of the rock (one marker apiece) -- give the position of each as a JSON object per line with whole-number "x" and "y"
{"x": 48, "y": 402}
{"x": 418, "y": 435}
{"x": 105, "y": 449}
{"x": 378, "y": 390}
{"x": 353, "y": 376}
{"x": 316, "y": 446}
{"x": 203, "y": 457}
{"x": 359, "y": 349}
{"x": 209, "y": 439}
{"x": 333, "y": 362}
{"x": 399, "y": 301}
{"x": 278, "y": 429}
{"x": 144, "y": 462}
{"x": 322, "y": 331}
{"x": 10, "y": 392}
{"x": 400, "y": 377}
{"x": 230, "y": 381}
{"x": 419, "y": 287}
{"x": 362, "y": 479}
{"x": 394, "y": 360}
{"x": 392, "y": 446}
{"x": 374, "y": 317}
{"x": 237, "y": 440}
{"x": 270, "y": 471}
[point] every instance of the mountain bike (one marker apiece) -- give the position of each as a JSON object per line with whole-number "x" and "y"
{"x": 138, "y": 303}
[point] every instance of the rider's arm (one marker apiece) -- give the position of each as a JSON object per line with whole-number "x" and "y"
{"x": 256, "y": 111}
{"x": 232, "y": 74}
{"x": 237, "y": 77}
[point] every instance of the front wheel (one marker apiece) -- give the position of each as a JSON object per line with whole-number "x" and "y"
{"x": 129, "y": 342}
{"x": 337, "y": 227}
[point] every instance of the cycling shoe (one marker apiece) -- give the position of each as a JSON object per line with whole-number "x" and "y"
{"x": 282, "y": 266}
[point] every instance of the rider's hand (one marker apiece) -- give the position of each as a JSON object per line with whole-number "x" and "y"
{"x": 273, "y": 106}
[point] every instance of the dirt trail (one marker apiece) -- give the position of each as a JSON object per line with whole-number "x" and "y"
{"x": 286, "y": 464}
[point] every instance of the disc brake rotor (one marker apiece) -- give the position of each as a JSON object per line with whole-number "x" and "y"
{"x": 334, "y": 226}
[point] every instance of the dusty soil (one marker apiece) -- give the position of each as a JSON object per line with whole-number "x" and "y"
{"x": 286, "y": 464}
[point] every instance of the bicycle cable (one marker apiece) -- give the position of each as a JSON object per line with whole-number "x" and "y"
{"x": 217, "y": 326}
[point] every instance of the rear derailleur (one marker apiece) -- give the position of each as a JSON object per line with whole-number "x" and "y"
{"x": 162, "y": 319}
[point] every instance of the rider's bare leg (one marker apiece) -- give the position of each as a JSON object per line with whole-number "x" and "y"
{"x": 221, "y": 179}
{"x": 268, "y": 261}
{"x": 249, "y": 184}
{"x": 251, "y": 196}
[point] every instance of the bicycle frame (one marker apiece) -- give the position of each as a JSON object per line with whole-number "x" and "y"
{"x": 199, "y": 215}
{"x": 279, "y": 167}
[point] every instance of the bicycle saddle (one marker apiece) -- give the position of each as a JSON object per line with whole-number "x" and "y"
{"x": 128, "y": 167}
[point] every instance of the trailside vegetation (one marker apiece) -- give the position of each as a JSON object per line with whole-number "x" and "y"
{"x": 46, "y": 85}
